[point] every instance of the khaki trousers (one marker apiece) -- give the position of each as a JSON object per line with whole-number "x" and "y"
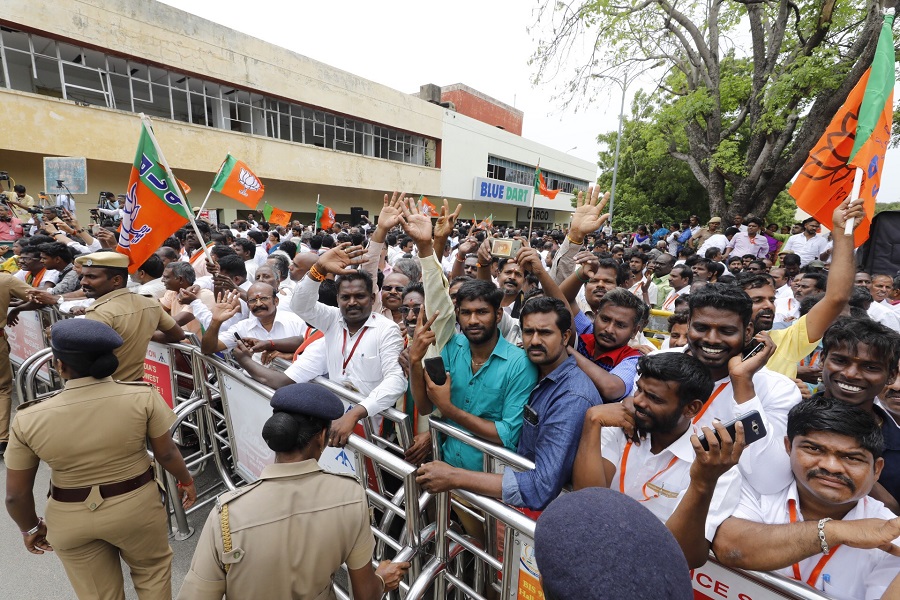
{"x": 6, "y": 387}
{"x": 90, "y": 543}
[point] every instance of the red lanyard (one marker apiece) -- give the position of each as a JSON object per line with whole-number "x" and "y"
{"x": 670, "y": 300}
{"x": 624, "y": 465}
{"x": 814, "y": 576}
{"x": 709, "y": 400}
{"x": 352, "y": 350}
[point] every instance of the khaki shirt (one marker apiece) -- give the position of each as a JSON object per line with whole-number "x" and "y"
{"x": 26, "y": 200}
{"x": 290, "y": 532}
{"x": 11, "y": 287}
{"x": 701, "y": 236}
{"x": 135, "y": 318}
{"x": 93, "y": 432}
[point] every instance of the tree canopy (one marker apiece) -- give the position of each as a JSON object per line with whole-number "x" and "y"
{"x": 745, "y": 87}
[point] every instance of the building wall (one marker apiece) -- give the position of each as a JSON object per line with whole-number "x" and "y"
{"x": 37, "y": 126}
{"x": 467, "y": 144}
{"x": 172, "y": 38}
{"x": 474, "y": 104}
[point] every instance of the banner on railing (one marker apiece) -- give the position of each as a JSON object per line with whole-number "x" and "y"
{"x": 158, "y": 371}
{"x": 26, "y": 338}
{"x": 714, "y": 582}
{"x": 529, "y": 583}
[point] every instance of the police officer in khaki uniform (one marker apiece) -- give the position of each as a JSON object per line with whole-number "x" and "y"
{"x": 285, "y": 535}
{"x": 10, "y": 287}
{"x": 136, "y": 318}
{"x": 104, "y": 503}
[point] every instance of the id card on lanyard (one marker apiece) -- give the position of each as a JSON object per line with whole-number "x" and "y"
{"x": 344, "y": 354}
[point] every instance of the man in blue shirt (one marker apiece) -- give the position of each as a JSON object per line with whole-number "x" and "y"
{"x": 553, "y": 418}
{"x": 489, "y": 378}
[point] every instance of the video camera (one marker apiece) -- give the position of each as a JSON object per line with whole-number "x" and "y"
{"x": 104, "y": 202}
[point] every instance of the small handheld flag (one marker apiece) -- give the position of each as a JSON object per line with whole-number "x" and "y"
{"x": 237, "y": 181}
{"x": 540, "y": 186}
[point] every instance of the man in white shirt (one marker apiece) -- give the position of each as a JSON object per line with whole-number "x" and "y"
{"x": 808, "y": 244}
{"x": 246, "y": 251}
{"x": 658, "y": 470}
{"x": 877, "y": 311}
{"x": 718, "y": 240}
{"x": 720, "y": 331}
{"x": 360, "y": 348}
{"x": 149, "y": 278}
{"x": 266, "y": 322}
{"x": 823, "y": 528}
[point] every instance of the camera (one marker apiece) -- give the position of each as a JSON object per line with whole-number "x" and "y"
{"x": 4, "y": 176}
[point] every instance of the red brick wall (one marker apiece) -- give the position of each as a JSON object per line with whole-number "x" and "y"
{"x": 486, "y": 112}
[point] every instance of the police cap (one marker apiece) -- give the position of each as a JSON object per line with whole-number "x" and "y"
{"x": 113, "y": 260}
{"x": 81, "y": 335}
{"x": 593, "y": 544}
{"x": 308, "y": 399}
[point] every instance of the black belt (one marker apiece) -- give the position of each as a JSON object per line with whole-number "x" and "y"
{"x": 107, "y": 490}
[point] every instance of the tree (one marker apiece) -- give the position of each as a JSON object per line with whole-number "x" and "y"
{"x": 651, "y": 184}
{"x": 742, "y": 119}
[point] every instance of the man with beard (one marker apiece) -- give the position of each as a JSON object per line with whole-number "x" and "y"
{"x": 797, "y": 341}
{"x": 719, "y": 331}
{"x": 859, "y": 361}
{"x": 510, "y": 279}
{"x": 649, "y": 450}
{"x": 360, "y": 348}
{"x": 808, "y": 244}
{"x": 889, "y": 401}
{"x": 597, "y": 278}
{"x": 552, "y": 424}
{"x": 603, "y": 352}
{"x": 488, "y": 380}
{"x": 821, "y": 528}
{"x": 266, "y": 323}
{"x": 808, "y": 284}
{"x": 138, "y": 319}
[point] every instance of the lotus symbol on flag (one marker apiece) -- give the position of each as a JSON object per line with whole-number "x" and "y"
{"x": 249, "y": 181}
{"x": 129, "y": 235}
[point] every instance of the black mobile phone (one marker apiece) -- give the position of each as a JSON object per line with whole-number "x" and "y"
{"x": 435, "y": 369}
{"x": 237, "y": 336}
{"x": 756, "y": 350}
{"x": 754, "y": 429}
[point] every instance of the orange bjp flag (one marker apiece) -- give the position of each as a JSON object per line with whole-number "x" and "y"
{"x": 237, "y": 181}
{"x": 857, "y": 137}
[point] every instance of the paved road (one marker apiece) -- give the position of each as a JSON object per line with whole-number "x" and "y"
{"x": 25, "y": 576}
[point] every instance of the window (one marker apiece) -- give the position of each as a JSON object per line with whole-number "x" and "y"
{"x": 41, "y": 65}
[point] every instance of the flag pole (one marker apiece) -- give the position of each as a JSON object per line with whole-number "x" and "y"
{"x": 181, "y": 197}
{"x": 531, "y": 212}
{"x": 209, "y": 193}
{"x": 854, "y": 196}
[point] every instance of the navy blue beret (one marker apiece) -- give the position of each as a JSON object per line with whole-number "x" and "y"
{"x": 598, "y": 544}
{"x": 84, "y": 335}
{"x": 308, "y": 399}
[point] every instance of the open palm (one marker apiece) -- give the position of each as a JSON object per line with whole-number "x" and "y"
{"x": 587, "y": 216}
{"x": 389, "y": 217}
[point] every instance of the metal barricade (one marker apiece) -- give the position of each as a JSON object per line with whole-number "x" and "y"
{"x": 28, "y": 340}
{"x": 236, "y": 409}
{"x": 657, "y": 328}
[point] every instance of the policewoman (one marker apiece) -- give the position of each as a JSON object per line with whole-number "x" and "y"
{"x": 104, "y": 503}
{"x": 286, "y": 534}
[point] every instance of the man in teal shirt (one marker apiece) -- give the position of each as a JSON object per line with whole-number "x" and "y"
{"x": 489, "y": 379}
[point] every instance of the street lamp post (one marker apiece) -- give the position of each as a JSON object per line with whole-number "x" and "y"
{"x": 612, "y": 191}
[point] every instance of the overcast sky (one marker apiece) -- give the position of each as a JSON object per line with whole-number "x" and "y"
{"x": 404, "y": 44}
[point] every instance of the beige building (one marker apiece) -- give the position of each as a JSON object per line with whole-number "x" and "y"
{"x": 76, "y": 73}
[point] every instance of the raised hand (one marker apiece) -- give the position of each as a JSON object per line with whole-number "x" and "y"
{"x": 529, "y": 259}
{"x": 414, "y": 223}
{"x": 423, "y": 338}
{"x": 745, "y": 369}
{"x": 723, "y": 453}
{"x": 227, "y": 305}
{"x": 446, "y": 220}
{"x": 340, "y": 259}
{"x": 587, "y": 216}
{"x": 389, "y": 217}
{"x": 845, "y": 211}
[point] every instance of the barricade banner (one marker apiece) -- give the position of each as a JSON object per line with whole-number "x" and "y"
{"x": 26, "y": 338}
{"x": 529, "y": 583}
{"x": 249, "y": 410}
{"x": 712, "y": 581}
{"x": 158, "y": 371}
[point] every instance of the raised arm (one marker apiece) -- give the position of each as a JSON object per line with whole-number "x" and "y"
{"x": 841, "y": 274}
{"x": 586, "y": 219}
{"x": 591, "y": 469}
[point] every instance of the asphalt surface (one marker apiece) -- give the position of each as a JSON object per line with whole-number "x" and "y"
{"x": 26, "y": 576}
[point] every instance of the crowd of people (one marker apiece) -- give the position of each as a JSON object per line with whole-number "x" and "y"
{"x": 762, "y": 426}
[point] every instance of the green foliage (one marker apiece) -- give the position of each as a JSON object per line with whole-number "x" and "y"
{"x": 650, "y": 183}
{"x": 783, "y": 210}
{"x": 735, "y": 80}
{"x": 883, "y": 206}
